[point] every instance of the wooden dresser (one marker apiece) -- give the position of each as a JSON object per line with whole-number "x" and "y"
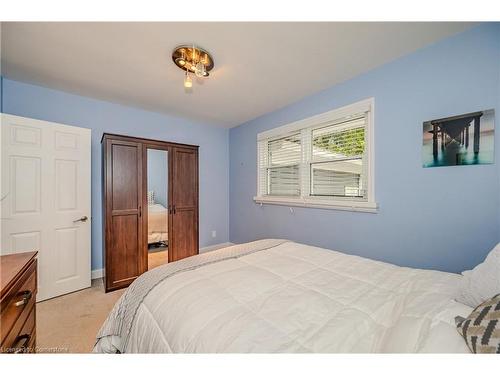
{"x": 18, "y": 278}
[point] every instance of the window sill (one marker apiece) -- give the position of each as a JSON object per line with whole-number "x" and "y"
{"x": 369, "y": 207}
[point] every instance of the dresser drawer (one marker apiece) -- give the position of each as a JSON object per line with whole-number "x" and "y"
{"x": 22, "y": 340}
{"x": 19, "y": 301}
{"x": 18, "y": 287}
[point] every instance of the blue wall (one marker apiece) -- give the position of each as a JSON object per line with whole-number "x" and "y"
{"x": 438, "y": 218}
{"x": 41, "y": 103}
{"x": 158, "y": 175}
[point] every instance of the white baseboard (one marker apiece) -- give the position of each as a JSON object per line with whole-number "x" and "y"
{"x": 97, "y": 274}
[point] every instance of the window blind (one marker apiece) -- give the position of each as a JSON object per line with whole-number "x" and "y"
{"x": 337, "y": 159}
{"x": 284, "y": 180}
{"x": 280, "y": 159}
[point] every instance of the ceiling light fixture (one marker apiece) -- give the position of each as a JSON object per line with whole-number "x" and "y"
{"x": 193, "y": 60}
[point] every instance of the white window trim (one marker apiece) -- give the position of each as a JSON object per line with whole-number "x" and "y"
{"x": 346, "y": 204}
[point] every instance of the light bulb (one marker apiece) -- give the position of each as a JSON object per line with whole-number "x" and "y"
{"x": 188, "y": 82}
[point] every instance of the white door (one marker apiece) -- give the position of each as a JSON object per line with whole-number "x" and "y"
{"x": 45, "y": 200}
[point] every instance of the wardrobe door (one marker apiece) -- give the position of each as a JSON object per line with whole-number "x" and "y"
{"x": 183, "y": 240}
{"x": 123, "y": 196}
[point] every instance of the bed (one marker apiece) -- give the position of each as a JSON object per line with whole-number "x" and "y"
{"x": 273, "y": 296}
{"x": 157, "y": 223}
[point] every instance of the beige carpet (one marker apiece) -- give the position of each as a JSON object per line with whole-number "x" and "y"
{"x": 69, "y": 324}
{"x": 157, "y": 259}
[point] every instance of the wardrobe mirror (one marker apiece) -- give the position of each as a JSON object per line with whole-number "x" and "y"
{"x": 157, "y": 192}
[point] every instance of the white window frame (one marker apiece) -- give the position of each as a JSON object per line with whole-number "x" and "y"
{"x": 305, "y": 200}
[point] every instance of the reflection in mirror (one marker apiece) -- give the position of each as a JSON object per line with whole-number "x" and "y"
{"x": 157, "y": 164}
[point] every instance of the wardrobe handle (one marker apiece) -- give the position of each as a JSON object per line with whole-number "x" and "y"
{"x": 140, "y": 211}
{"x": 174, "y": 209}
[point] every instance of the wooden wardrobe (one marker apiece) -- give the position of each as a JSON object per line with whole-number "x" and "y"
{"x": 125, "y": 247}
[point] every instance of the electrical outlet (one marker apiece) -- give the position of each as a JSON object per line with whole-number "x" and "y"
{"x": 214, "y": 234}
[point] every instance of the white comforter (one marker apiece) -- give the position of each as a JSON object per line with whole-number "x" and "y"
{"x": 298, "y": 298}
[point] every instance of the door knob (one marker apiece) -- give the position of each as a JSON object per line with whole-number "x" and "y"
{"x": 83, "y": 219}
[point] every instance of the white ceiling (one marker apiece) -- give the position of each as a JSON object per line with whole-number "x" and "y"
{"x": 259, "y": 67}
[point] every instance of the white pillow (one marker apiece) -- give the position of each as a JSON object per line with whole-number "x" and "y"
{"x": 481, "y": 283}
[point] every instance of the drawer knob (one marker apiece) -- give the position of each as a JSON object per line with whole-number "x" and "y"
{"x": 26, "y": 298}
{"x": 25, "y": 339}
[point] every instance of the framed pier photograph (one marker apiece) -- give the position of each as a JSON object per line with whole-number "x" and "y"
{"x": 459, "y": 140}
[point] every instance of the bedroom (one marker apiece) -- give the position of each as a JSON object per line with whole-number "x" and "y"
{"x": 198, "y": 187}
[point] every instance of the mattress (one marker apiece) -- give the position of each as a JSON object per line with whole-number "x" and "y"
{"x": 295, "y": 298}
{"x": 157, "y": 223}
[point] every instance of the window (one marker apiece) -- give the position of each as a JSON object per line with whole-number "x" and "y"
{"x": 323, "y": 161}
{"x": 283, "y": 166}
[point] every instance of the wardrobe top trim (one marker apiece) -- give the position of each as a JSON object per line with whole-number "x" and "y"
{"x": 144, "y": 140}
